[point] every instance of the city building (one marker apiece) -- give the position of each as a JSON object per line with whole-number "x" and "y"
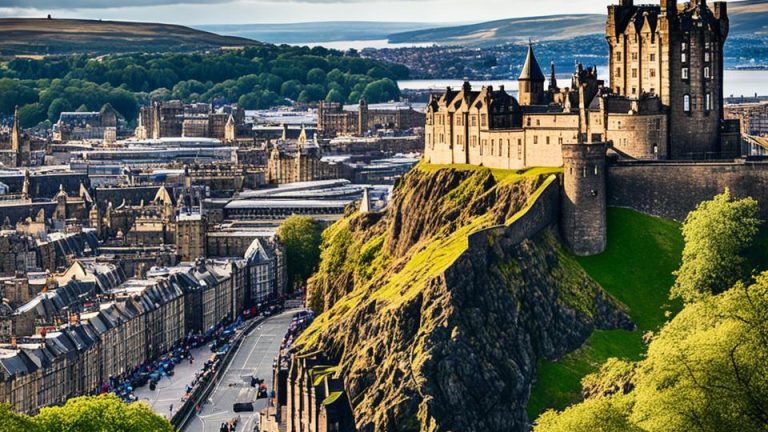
{"x": 336, "y": 119}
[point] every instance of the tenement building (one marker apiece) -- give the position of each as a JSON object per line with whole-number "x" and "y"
{"x": 665, "y": 99}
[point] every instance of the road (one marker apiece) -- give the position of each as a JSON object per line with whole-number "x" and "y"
{"x": 254, "y": 357}
{"x": 166, "y": 398}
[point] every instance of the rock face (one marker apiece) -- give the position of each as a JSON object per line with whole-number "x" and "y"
{"x": 432, "y": 335}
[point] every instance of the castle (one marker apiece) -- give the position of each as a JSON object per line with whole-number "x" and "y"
{"x": 664, "y": 105}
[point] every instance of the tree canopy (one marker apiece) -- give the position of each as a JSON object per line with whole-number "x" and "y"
{"x": 706, "y": 369}
{"x": 301, "y": 236}
{"x": 262, "y": 77}
{"x": 105, "y": 413}
{"x": 715, "y": 234}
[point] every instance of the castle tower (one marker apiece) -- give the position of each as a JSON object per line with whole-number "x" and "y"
{"x": 362, "y": 117}
{"x": 675, "y": 53}
{"x": 531, "y": 81}
{"x": 583, "y": 214}
{"x": 15, "y": 131}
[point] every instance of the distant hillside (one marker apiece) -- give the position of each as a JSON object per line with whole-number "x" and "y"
{"x": 65, "y": 36}
{"x": 513, "y": 30}
{"x": 311, "y": 32}
{"x": 748, "y": 18}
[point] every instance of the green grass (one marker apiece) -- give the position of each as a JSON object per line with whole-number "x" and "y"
{"x": 636, "y": 269}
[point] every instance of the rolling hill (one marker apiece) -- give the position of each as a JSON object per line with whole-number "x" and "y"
{"x": 30, "y": 36}
{"x": 312, "y": 32}
{"x": 748, "y": 18}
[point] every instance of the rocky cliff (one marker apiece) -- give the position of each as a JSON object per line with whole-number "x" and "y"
{"x": 434, "y": 334}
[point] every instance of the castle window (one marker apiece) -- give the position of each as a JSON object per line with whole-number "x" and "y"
{"x": 618, "y": 56}
{"x": 474, "y": 120}
{"x": 634, "y": 73}
{"x": 584, "y": 172}
{"x": 501, "y": 153}
{"x": 652, "y": 73}
{"x": 685, "y": 73}
{"x": 634, "y": 56}
{"x": 687, "y": 103}
{"x": 547, "y": 140}
{"x": 483, "y": 120}
{"x": 519, "y": 148}
{"x": 708, "y": 103}
{"x": 596, "y": 171}
{"x": 684, "y": 57}
{"x": 634, "y": 90}
{"x": 618, "y": 71}
{"x": 706, "y": 72}
{"x": 493, "y": 144}
{"x": 535, "y": 139}
{"x": 560, "y": 140}
{"x": 652, "y": 57}
{"x": 528, "y": 122}
{"x": 706, "y": 56}
{"x": 538, "y": 122}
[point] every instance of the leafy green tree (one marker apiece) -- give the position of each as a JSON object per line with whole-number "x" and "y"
{"x": 11, "y": 421}
{"x": 716, "y": 234}
{"x": 706, "y": 370}
{"x": 316, "y": 76}
{"x": 82, "y": 108}
{"x": 105, "y": 413}
{"x": 32, "y": 114}
{"x": 312, "y": 93}
{"x": 593, "y": 415}
{"x": 291, "y": 89}
{"x": 383, "y": 90}
{"x": 301, "y": 236}
{"x": 57, "y": 107}
{"x": 334, "y": 96}
{"x": 250, "y": 101}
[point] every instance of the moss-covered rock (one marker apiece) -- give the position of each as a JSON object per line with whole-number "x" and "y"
{"x": 430, "y": 335}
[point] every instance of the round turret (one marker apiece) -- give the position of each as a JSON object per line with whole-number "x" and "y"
{"x": 584, "y": 223}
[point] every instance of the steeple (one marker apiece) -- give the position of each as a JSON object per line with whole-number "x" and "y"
{"x": 531, "y": 80}
{"x": 531, "y": 69}
{"x": 552, "y": 78}
{"x": 15, "y": 131}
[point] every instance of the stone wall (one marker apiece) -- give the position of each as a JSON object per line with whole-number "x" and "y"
{"x": 544, "y": 211}
{"x": 671, "y": 190}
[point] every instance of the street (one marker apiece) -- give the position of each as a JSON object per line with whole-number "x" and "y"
{"x": 254, "y": 357}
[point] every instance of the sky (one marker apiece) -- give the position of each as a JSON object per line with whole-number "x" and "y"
{"x": 197, "y": 12}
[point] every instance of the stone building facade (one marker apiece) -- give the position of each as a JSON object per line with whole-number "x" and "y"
{"x": 674, "y": 51}
{"x": 334, "y": 119}
{"x": 176, "y": 119}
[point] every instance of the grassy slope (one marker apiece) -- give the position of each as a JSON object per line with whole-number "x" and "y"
{"x": 636, "y": 269}
{"x": 64, "y": 36}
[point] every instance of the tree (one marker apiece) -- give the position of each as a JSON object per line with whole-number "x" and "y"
{"x": 334, "y": 96}
{"x": 706, "y": 370}
{"x": 715, "y": 234}
{"x": 316, "y": 76}
{"x": 106, "y": 413}
{"x": 57, "y": 107}
{"x": 383, "y": 90}
{"x": 32, "y": 115}
{"x": 301, "y": 237}
{"x": 11, "y": 421}
{"x": 291, "y": 89}
{"x": 312, "y": 93}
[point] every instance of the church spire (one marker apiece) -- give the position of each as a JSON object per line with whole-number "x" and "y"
{"x": 552, "y": 78}
{"x": 16, "y": 131}
{"x": 531, "y": 69}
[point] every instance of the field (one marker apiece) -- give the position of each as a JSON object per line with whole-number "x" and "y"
{"x": 636, "y": 269}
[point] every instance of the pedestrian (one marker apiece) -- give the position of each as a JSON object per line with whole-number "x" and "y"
{"x": 171, "y": 409}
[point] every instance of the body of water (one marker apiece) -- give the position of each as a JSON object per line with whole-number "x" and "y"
{"x": 737, "y": 83}
{"x": 362, "y": 44}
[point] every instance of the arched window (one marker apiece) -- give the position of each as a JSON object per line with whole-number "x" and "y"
{"x": 687, "y": 103}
